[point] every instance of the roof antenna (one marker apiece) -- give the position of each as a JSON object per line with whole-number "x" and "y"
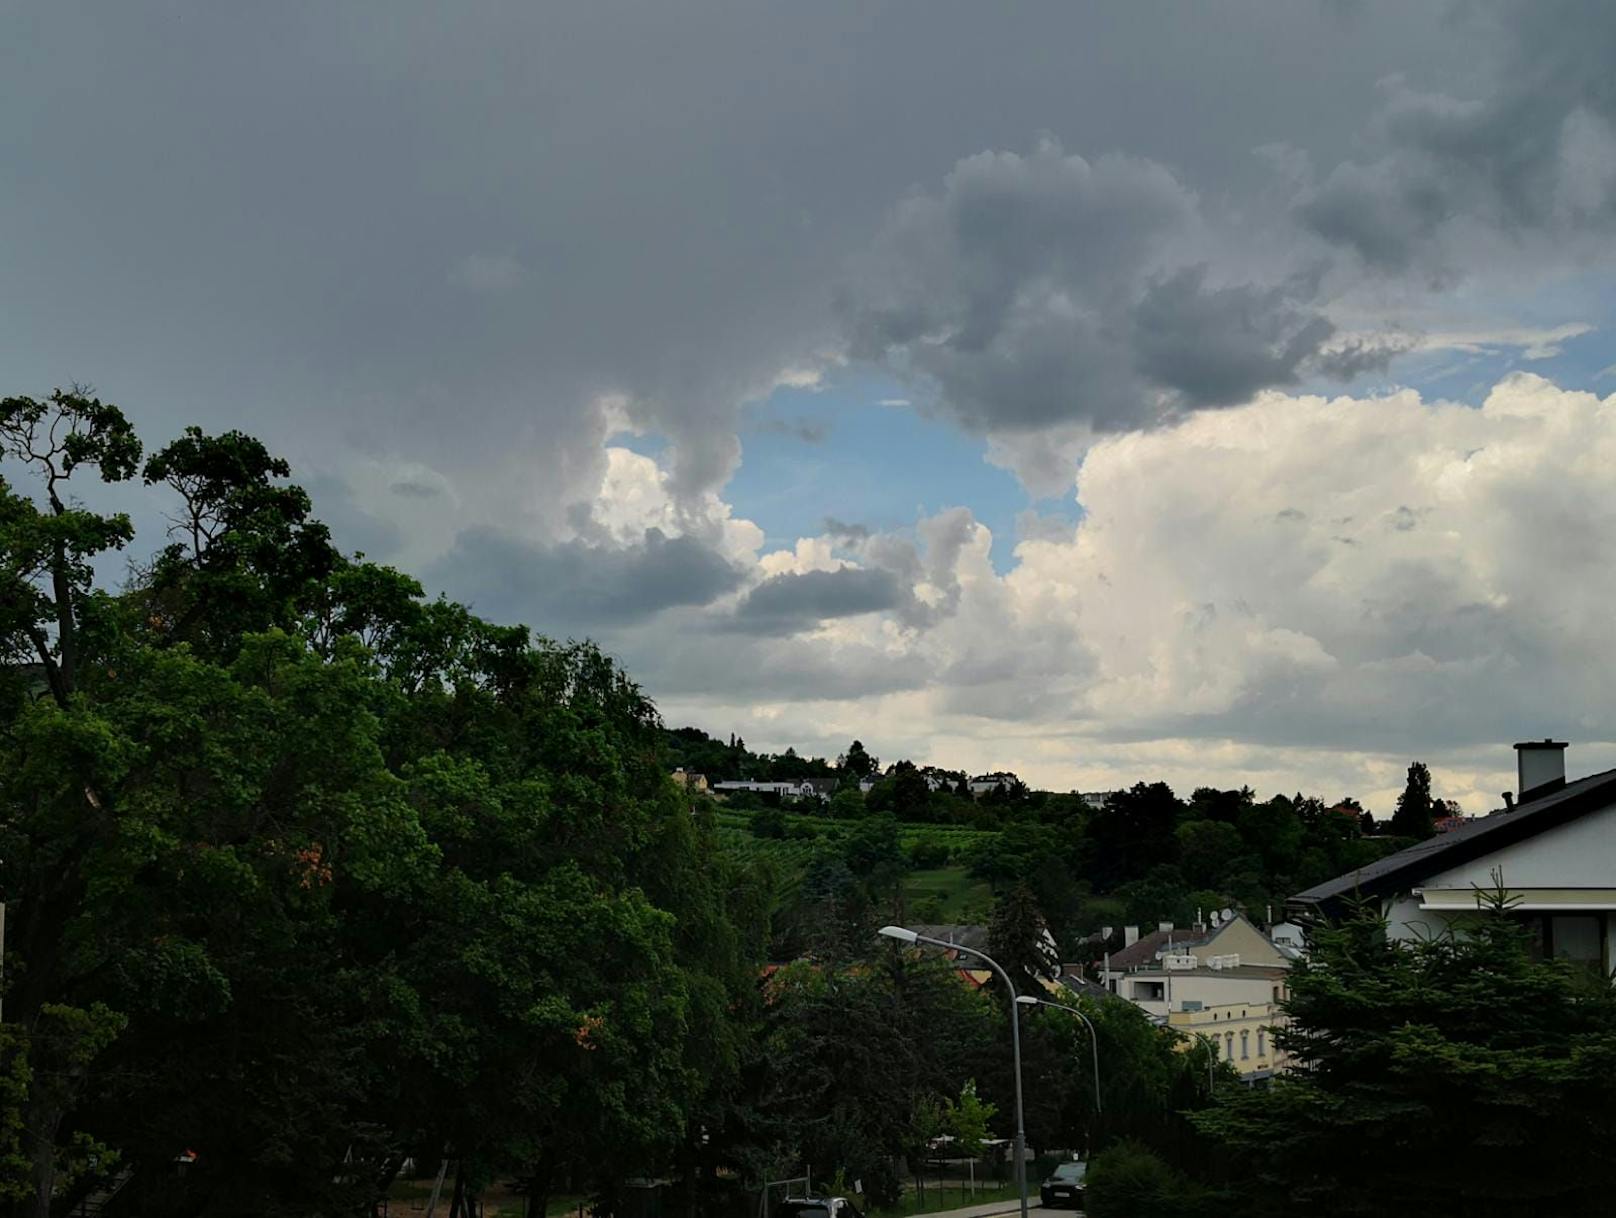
{"x": 1509, "y": 801}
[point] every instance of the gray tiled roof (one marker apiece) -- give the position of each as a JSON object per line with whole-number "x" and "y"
{"x": 1143, "y": 950}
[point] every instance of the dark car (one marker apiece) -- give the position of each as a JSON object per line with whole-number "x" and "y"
{"x": 1065, "y": 1185}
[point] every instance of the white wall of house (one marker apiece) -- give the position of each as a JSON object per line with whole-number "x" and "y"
{"x": 1162, "y": 991}
{"x": 1581, "y": 854}
{"x": 1238, "y": 937}
{"x": 1406, "y": 920}
{"x": 1566, "y": 873}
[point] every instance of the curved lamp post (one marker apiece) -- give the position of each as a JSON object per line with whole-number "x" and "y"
{"x": 1211, "y": 1045}
{"x": 904, "y": 935}
{"x": 1027, "y": 1000}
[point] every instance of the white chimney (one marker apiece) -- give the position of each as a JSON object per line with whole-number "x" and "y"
{"x": 1540, "y": 766}
{"x": 1130, "y": 936}
{"x": 1164, "y": 927}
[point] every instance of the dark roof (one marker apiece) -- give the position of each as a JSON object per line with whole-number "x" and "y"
{"x": 1400, "y": 871}
{"x": 1084, "y": 988}
{"x": 964, "y": 934}
{"x": 1143, "y": 950}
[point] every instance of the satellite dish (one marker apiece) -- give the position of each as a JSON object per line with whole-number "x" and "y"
{"x": 1228, "y": 914}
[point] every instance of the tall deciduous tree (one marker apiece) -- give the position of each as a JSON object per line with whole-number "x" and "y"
{"x": 1415, "y": 813}
{"x": 856, "y": 763}
{"x": 308, "y": 874}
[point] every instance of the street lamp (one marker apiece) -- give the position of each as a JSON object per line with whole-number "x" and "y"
{"x": 1027, "y": 1000}
{"x": 904, "y": 935}
{"x": 1211, "y": 1044}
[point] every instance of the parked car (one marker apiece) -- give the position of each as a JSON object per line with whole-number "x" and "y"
{"x": 818, "y": 1207}
{"x": 1065, "y": 1185}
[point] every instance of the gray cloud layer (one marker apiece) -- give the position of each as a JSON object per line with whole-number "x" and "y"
{"x": 1046, "y": 289}
{"x": 1533, "y": 153}
{"x": 786, "y": 604}
{"x": 445, "y": 233}
{"x": 575, "y": 587}
{"x": 451, "y": 251}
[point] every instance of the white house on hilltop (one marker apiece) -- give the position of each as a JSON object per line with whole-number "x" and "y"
{"x": 1554, "y": 848}
{"x": 785, "y": 790}
{"x": 984, "y": 784}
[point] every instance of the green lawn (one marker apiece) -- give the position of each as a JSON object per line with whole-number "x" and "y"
{"x": 943, "y": 894}
{"x": 937, "y": 1199}
{"x": 961, "y": 898}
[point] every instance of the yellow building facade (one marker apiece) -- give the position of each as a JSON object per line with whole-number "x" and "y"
{"x": 1241, "y": 1032}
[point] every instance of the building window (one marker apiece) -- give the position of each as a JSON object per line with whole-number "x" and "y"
{"x": 1262, "y": 1047}
{"x": 1579, "y": 938}
{"x": 1245, "y": 1045}
{"x": 1228, "y": 1045}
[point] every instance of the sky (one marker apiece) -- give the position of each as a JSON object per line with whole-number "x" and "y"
{"x": 1220, "y": 394}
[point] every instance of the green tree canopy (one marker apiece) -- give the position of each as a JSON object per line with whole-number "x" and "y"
{"x": 1456, "y": 1075}
{"x": 1019, "y": 939}
{"x": 1415, "y": 810}
{"x": 308, "y": 874}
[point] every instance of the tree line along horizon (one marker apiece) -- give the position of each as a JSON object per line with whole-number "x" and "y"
{"x": 1141, "y": 857}
{"x": 310, "y": 876}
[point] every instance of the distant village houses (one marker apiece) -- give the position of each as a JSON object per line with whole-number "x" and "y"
{"x": 804, "y": 788}
{"x": 688, "y": 780}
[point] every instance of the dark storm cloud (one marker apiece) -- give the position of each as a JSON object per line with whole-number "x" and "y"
{"x": 444, "y": 232}
{"x": 1037, "y": 290}
{"x": 1218, "y": 346}
{"x": 796, "y": 601}
{"x": 1531, "y": 152}
{"x": 575, "y": 587}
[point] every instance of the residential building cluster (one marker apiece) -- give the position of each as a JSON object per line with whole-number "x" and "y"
{"x": 1221, "y": 983}
{"x": 819, "y": 789}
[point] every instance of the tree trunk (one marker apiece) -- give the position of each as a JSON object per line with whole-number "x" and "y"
{"x": 437, "y": 1185}
{"x": 66, "y": 628}
{"x": 40, "y": 1123}
{"x": 538, "y": 1193}
{"x": 455, "y": 1206}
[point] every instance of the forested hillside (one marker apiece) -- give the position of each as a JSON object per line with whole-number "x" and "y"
{"x": 1143, "y": 856}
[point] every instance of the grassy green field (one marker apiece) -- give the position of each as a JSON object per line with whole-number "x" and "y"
{"x": 959, "y": 897}
{"x": 935, "y": 1200}
{"x": 941, "y": 894}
